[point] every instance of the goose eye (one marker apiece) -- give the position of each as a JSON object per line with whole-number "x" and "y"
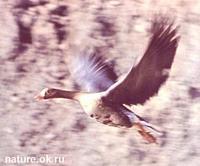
{"x": 48, "y": 92}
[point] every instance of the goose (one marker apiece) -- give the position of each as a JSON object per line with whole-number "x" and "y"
{"x": 107, "y": 99}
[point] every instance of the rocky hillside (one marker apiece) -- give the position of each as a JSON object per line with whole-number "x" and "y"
{"x": 38, "y": 38}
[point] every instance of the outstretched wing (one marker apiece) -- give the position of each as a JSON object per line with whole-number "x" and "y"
{"x": 144, "y": 80}
{"x": 91, "y": 72}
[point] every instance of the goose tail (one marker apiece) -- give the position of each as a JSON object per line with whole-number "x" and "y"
{"x": 151, "y": 127}
{"x": 147, "y": 130}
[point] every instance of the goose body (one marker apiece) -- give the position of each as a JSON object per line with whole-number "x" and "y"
{"x": 96, "y": 107}
{"x": 105, "y": 98}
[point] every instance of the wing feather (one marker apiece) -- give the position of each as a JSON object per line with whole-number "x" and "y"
{"x": 91, "y": 72}
{"x": 144, "y": 80}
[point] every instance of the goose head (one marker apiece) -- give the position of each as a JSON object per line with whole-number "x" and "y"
{"x": 50, "y": 93}
{"x": 47, "y": 93}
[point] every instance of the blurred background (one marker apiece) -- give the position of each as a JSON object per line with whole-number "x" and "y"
{"x": 37, "y": 40}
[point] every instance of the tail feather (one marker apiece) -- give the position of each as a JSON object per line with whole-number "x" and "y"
{"x": 148, "y": 125}
{"x": 151, "y": 127}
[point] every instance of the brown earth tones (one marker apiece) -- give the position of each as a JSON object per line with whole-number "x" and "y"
{"x": 37, "y": 40}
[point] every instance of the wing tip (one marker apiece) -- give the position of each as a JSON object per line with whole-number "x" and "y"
{"x": 162, "y": 22}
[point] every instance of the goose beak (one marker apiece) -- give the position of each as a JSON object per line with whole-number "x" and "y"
{"x": 39, "y": 97}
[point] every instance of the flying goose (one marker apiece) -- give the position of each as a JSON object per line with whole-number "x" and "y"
{"x": 106, "y": 99}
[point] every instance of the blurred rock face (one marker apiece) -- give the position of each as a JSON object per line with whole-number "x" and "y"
{"x": 39, "y": 38}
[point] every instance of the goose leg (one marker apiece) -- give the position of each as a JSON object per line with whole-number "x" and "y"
{"x": 145, "y": 134}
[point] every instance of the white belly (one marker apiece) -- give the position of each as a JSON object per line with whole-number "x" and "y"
{"x": 89, "y": 102}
